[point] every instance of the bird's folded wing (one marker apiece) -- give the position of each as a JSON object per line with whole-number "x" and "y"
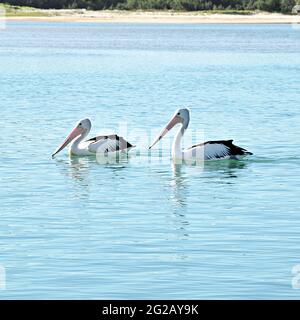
{"x": 212, "y": 149}
{"x": 109, "y": 143}
{"x": 216, "y": 151}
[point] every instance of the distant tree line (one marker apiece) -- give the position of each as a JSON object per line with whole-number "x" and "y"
{"x": 284, "y": 6}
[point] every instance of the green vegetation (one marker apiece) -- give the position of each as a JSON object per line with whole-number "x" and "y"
{"x": 22, "y": 11}
{"x": 224, "y": 6}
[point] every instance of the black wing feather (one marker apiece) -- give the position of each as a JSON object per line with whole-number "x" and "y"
{"x": 233, "y": 149}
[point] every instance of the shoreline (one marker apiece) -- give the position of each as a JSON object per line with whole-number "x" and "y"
{"x": 115, "y": 16}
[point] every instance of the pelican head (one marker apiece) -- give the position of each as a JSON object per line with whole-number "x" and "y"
{"x": 180, "y": 116}
{"x": 82, "y": 128}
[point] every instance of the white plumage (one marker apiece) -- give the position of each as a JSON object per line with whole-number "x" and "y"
{"x": 105, "y": 144}
{"x": 100, "y": 144}
{"x": 210, "y": 150}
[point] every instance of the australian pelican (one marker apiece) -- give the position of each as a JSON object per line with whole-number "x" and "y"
{"x": 210, "y": 150}
{"x": 100, "y": 144}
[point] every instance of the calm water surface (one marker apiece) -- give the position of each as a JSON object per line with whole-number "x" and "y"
{"x": 73, "y": 228}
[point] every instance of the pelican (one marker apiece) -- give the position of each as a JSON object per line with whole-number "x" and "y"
{"x": 100, "y": 144}
{"x": 210, "y": 150}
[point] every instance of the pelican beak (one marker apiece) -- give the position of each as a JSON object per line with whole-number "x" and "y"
{"x": 175, "y": 119}
{"x": 75, "y": 133}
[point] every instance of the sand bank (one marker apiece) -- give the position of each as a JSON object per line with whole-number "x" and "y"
{"x": 153, "y": 17}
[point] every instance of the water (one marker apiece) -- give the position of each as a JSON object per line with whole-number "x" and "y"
{"x": 73, "y": 228}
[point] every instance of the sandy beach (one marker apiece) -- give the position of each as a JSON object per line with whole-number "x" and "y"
{"x": 153, "y": 17}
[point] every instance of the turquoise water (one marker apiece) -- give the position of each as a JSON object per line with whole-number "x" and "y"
{"x": 74, "y": 228}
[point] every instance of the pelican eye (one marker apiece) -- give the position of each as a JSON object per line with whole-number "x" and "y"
{"x": 80, "y": 123}
{"x": 178, "y": 113}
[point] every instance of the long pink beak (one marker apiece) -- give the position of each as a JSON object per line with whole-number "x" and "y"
{"x": 75, "y": 133}
{"x": 166, "y": 129}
